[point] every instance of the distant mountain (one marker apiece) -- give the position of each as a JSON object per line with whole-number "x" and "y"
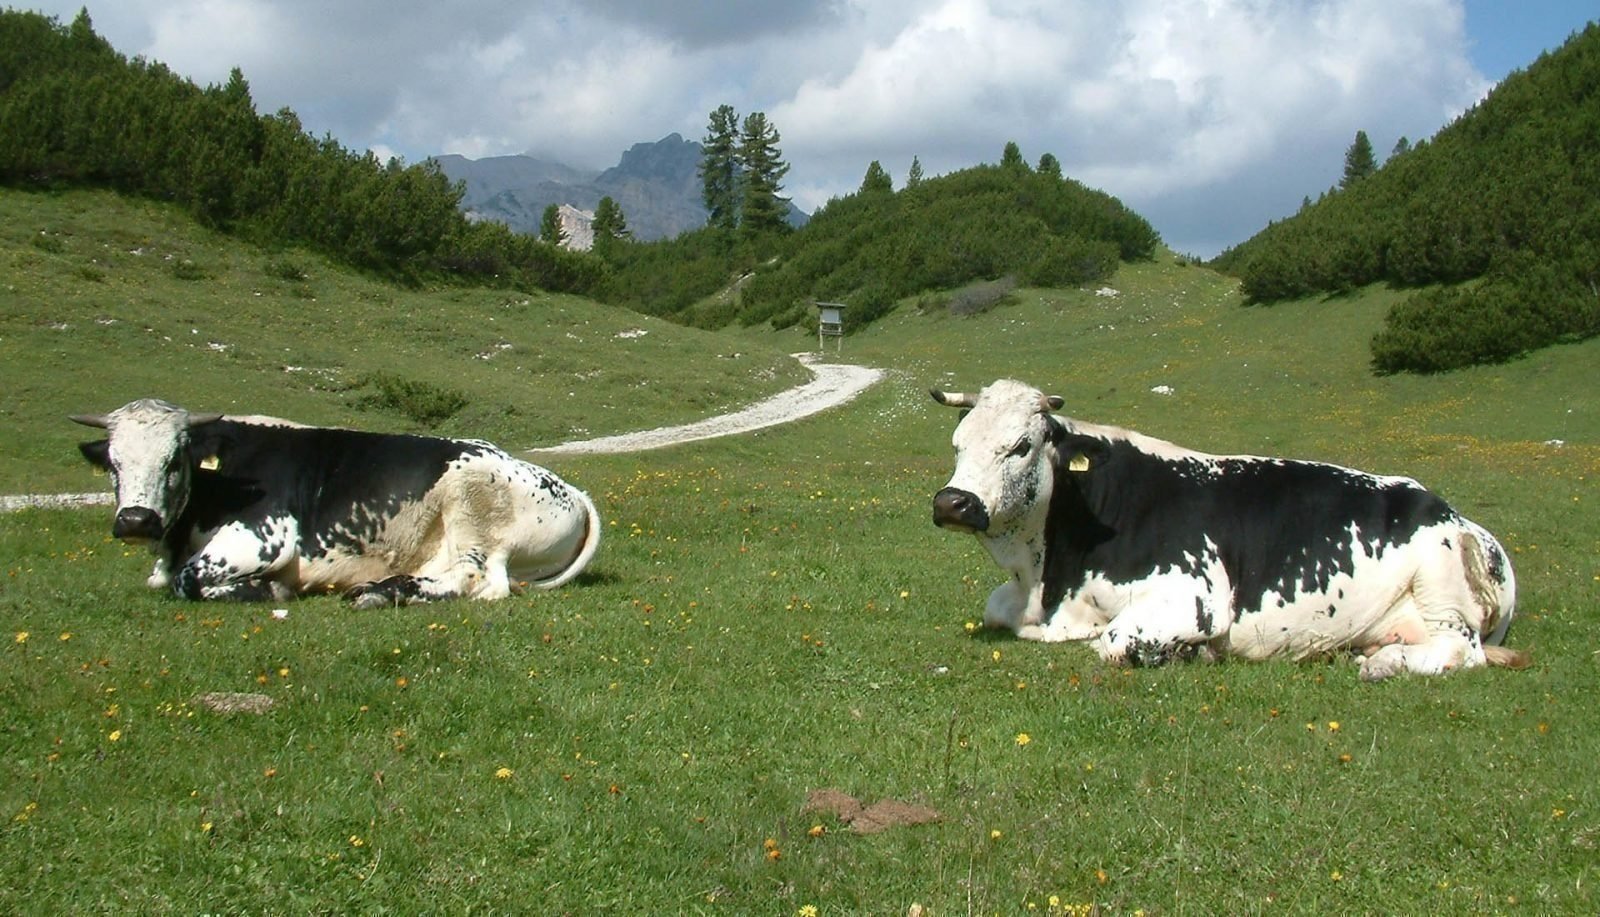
{"x": 657, "y": 185}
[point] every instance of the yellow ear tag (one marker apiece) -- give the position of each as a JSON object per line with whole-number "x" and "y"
{"x": 210, "y": 463}
{"x": 1079, "y": 462}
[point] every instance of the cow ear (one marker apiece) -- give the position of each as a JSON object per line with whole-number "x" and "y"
{"x": 1081, "y": 454}
{"x": 98, "y": 453}
{"x": 1054, "y": 402}
{"x": 205, "y": 448}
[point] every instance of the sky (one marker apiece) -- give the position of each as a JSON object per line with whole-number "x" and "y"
{"x": 1208, "y": 117}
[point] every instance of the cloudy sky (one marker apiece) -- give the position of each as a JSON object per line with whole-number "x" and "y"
{"x": 1209, "y": 117}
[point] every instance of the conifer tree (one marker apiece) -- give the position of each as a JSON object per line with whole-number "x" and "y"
{"x": 1358, "y": 161}
{"x": 719, "y": 169}
{"x": 761, "y": 175}
{"x": 876, "y": 180}
{"x": 1011, "y": 157}
{"x": 609, "y": 221}
{"x": 1050, "y": 165}
{"x": 610, "y": 226}
{"x": 914, "y": 177}
{"x": 550, "y": 226}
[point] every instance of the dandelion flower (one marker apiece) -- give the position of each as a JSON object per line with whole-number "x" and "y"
{"x": 807, "y": 910}
{"x": 995, "y": 655}
{"x": 66, "y": 635}
{"x": 1333, "y": 725}
{"x": 816, "y": 831}
{"x": 114, "y": 736}
{"x": 205, "y": 827}
{"x": 994, "y": 835}
{"x": 22, "y": 636}
{"x": 503, "y": 773}
{"x": 357, "y": 841}
{"x": 1023, "y": 738}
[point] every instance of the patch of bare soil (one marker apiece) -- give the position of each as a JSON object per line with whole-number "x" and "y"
{"x": 229, "y": 702}
{"x": 880, "y": 816}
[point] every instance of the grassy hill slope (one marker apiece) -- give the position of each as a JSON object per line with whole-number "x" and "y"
{"x": 775, "y": 614}
{"x": 107, "y": 299}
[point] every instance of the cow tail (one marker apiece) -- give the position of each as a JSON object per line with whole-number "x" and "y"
{"x": 1506, "y": 657}
{"x": 591, "y": 544}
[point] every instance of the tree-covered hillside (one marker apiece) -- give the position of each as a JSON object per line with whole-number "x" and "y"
{"x": 878, "y": 245}
{"x": 74, "y": 112}
{"x": 1496, "y": 221}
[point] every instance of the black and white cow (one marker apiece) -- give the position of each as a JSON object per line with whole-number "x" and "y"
{"x": 256, "y": 508}
{"x": 1157, "y": 552}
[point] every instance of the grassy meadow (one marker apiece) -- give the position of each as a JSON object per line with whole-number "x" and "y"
{"x": 770, "y": 615}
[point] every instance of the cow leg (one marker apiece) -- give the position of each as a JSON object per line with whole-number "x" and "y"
{"x": 1006, "y": 606}
{"x": 405, "y": 589}
{"x": 1444, "y": 649}
{"x": 1158, "y": 630}
{"x": 241, "y": 563}
{"x": 1073, "y": 619}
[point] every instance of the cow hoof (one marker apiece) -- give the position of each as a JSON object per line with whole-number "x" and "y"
{"x": 368, "y": 600}
{"x": 1385, "y": 663}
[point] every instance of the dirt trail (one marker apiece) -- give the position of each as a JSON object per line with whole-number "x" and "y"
{"x": 833, "y": 384}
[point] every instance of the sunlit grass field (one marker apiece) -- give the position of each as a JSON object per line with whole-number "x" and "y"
{"x": 775, "y": 614}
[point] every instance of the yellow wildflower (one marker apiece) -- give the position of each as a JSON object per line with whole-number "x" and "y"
{"x": 1023, "y": 738}
{"x": 22, "y": 636}
{"x": 503, "y": 773}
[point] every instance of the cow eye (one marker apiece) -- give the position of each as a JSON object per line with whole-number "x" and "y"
{"x": 1022, "y": 448}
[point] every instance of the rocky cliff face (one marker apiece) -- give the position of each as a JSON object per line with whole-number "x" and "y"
{"x": 657, "y": 185}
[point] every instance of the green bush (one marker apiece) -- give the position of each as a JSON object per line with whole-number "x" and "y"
{"x": 423, "y": 403}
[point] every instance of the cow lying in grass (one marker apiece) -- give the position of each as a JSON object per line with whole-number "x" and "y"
{"x": 257, "y": 508}
{"x": 1157, "y": 552}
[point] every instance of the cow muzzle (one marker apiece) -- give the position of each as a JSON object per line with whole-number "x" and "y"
{"x": 136, "y": 524}
{"x": 959, "y": 510}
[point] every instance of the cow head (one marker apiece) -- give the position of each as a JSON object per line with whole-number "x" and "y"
{"x": 1005, "y": 454}
{"x": 146, "y": 452}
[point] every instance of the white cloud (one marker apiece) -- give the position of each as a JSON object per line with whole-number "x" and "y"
{"x": 1208, "y": 116}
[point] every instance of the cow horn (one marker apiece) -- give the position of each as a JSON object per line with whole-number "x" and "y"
{"x": 90, "y": 420}
{"x": 196, "y": 420}
{"x": 954, "y": 399}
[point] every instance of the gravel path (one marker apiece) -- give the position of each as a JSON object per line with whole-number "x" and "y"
{"x": 833, "y": 384}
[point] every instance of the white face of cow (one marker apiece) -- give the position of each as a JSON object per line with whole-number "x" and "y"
{"x": 146, "y": 452}
{"x": 1005, "y": 457}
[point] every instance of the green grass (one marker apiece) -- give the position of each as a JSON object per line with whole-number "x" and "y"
{"x": 96, "y": 310}
{"x": 774, "y": 614}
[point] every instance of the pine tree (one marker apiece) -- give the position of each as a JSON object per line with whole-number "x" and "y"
{"x": 761, "y": 175}
{"x": 914, "y": 177}
{"x": 1358, "y": 161}
{"x": 719, "y": 169}
{"x": 550, "y": 226}
{"x": 609, "y": 221}
{"x": 1400, "y": 146}
{"x": 1011, "y": 158}
{"x": 1050, "y": 165}
{"x": 610, "y": 226}
{"x": 876, "y": 180}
